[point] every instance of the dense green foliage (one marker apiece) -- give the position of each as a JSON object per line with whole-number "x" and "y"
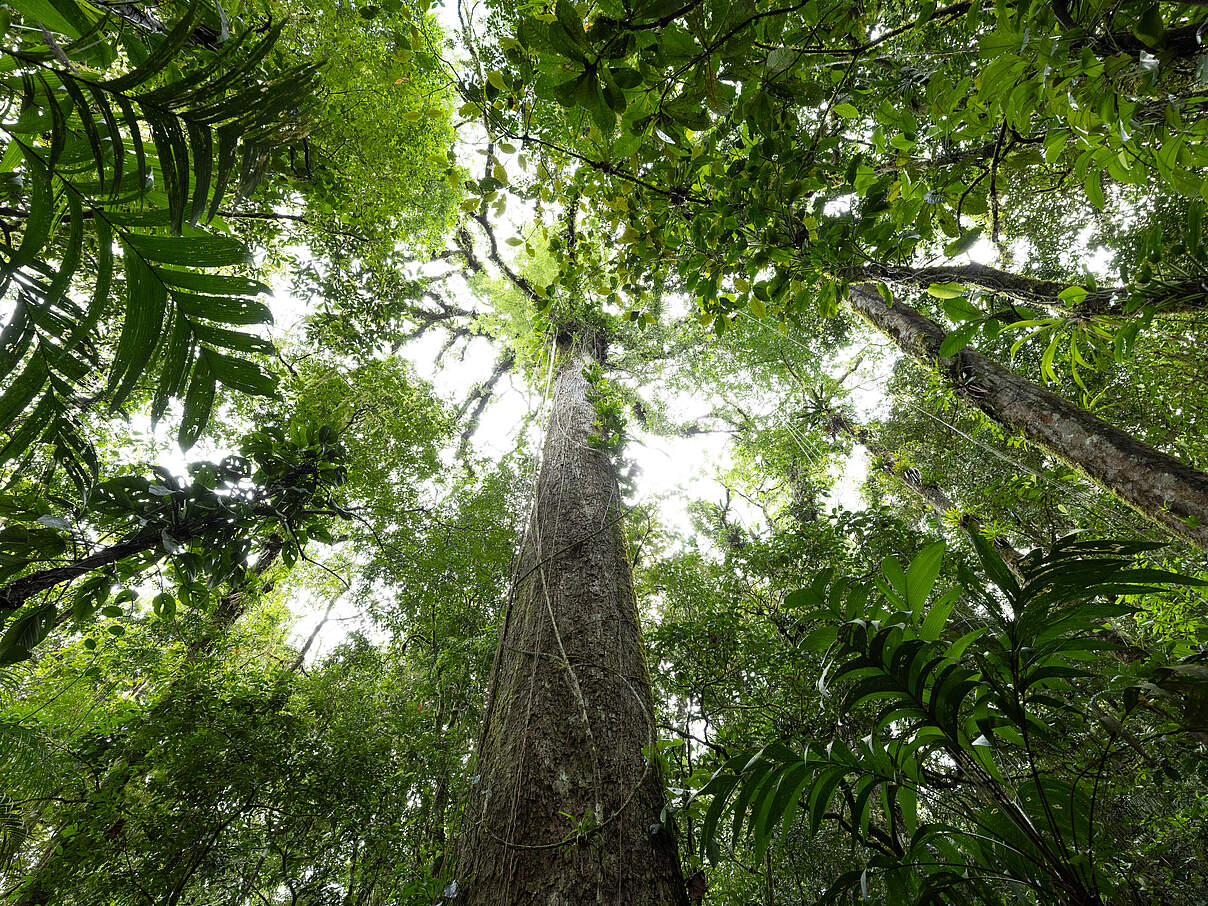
{"x": 902, "y": 650}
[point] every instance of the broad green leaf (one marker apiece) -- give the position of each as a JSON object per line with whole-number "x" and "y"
{"x": 962, "y": 244}
{"x": 946, "y": 290}
{"x": 569, "y": 19}
{"x": 26, "y": 631}
{"x": 896, "y": 575}
{"x": 937, "y": 615}
{"x": 146, "y": 302}
{"x": 190, "y": 251}
{"x": 198, "y": 402}
{"x": 239, "y": 374}
{"x": 226, "y": 309}
{"x": 1094, "y": 189}
{"x": 957, "y": 339}
{"x": 46, "y": 13}
{"x": 921, "y": 576}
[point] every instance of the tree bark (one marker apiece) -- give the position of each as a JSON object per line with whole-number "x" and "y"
{"x": 566, "y": 805}
{"x": 17, "y": 592}
{"x": 1164, "y": 490}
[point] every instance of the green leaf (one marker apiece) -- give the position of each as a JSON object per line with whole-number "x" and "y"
{"x": 1094, "y": 188}
{"x": 568, "y": 18}
{"x": 45, "y": 13}
{"x": 190, "y": 251}
{"x": 23, "y": 390}
{"x": 38, "y": 422}
{"x": 819, "y": 639}
{"x": 1046, "y": 359}
{"x": 217, "y": 284}
{"x": 946, "y": 290}
{"x": 963, "y": 243}
{"x": 958, "y": 339}
{"x": 564, "y": 44}
{"x": 239, "y": 374}
{"x": 961, "y": 309}
{"x": 159, "y": 58}
{"x": 847, "y": 111}
{"x": 232, "y": 339}
{"x": 994, "y": 565}
{"x": 198, "y": 402}
{"x": 626, "y": 78}
{"x": 937, "y": 616}
{"x": 222, "y": 308}
{"x": 782, "y": 58}
{"x": 820, "y": 794}
{"x": 41, "y": 209}
{"x": 1149, "y": 27}
{"x": 146, "y": 302}
{"x": 26, "y": 631}
{"x": 720, "y": 788}
{"x": 1073, "y": 294}
{"x": 202, "y": 144}
{"x": 921, "y": 576}
{"x": 896, "y": 575}
{"x": 958, "y": 648}
{"x": 173, "y": 365}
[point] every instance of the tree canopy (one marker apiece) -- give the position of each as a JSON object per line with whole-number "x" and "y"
{"x": 625, "y": 452}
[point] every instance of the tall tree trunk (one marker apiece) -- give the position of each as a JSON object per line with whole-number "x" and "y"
{"x": 1155, "y": 484}
{"x": 567, "y": 802}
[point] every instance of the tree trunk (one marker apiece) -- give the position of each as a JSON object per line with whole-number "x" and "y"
{"x": 566, "y": 805}
{"x": 1155, "y": 484}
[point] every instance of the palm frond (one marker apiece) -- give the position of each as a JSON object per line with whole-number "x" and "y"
{"x": 120, "y": 144}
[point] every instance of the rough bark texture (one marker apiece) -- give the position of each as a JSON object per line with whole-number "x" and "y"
{"x": 565, "y": 806}
{"x": 1155, "y": 484}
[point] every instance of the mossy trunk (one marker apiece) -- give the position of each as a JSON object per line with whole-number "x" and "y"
{"x": 1155, "y": 484}
{"x": 565, "y": 806}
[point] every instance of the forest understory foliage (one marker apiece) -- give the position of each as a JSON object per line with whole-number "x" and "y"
{"x": 636, "y": 452}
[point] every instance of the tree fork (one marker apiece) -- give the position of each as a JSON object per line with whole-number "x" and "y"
{"x": 567, "y": 803}
{"x": 1155, "y": 484}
